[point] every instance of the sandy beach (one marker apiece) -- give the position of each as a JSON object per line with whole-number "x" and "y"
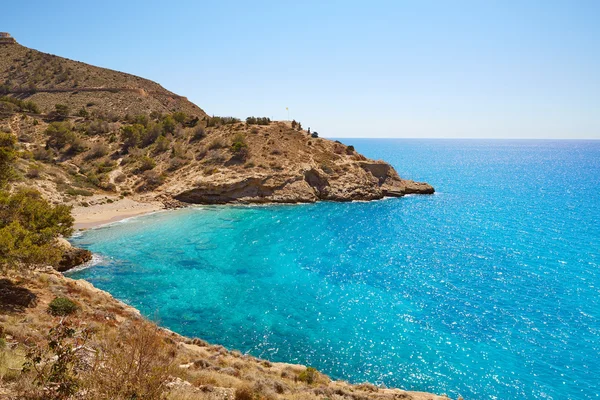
{"x": 100, "y": 214}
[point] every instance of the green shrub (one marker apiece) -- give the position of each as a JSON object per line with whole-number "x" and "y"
{"x": 309, "y": 375}
{"x": 315, "y": 135}
{"x": 180, "y": 117}
{"x": 161, "y": 144}
{"x": 62, "y": 306}
{"x": 60, "y": 113}
{"x": 27, "y": 106}
{"x": 150, "y": 134}
{"x": 239, "y": 147}
{"x": 218, "y": 121}
{"x": 131, "y": 136}
{"x": 258, "y": 120}
{"x": 78, "y": 192}
{"x": 29, "y": 226}
{"x": 168, "y": 125}
{"x": 8, "y": 152}
{"x": 146, "y": 163}
{"x": 59, "y": 135}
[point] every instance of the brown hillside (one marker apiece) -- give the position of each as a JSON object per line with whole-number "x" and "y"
{"x": 47, "y": 80}
{"x": 85, "y": 130}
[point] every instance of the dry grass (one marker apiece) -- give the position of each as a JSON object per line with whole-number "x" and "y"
{"x": 130, "y": 357}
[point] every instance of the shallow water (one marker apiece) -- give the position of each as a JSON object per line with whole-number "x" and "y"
{"x": 488, "y": 289}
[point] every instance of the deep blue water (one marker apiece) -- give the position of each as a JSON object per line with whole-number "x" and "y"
{"x": 488, "y": 289}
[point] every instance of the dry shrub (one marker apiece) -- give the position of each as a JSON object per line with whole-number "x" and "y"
{"x": 134, "y": 363}
{"x": 244, "y": 393}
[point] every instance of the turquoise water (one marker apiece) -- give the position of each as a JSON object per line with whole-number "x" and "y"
{"x": 488, "y": 289}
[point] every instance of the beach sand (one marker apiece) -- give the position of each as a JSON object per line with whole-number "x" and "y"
{"x": 100, "y": 214}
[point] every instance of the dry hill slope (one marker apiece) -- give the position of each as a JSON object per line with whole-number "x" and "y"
{"x": 89, "y": 130}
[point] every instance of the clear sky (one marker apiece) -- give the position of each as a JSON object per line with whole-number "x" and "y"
{"x": 487, "y": 69}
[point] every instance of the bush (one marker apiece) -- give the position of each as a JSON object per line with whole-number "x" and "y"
{"x": 29, "y": 226}
{"x": 131, "y": 136}
{"x": 8, "y": 152}
{"x": 83, "y": 113}
{"x": 134, "y": 363}
{"x": 161, "y": 144}
{"x": 57, "y": 364}
{"x": 78, "y": 192}
{"x": 59, "y": 135}
{"x": 309, "y": 375}
{"x": 168, "y": 125}
{"x": 151, "y": 134}
{"x": 60, "y": 113}
{"x": 146, "y": 163}
{"x": 218, "y": 121}
{"x": 61, "y": 306}
{"x": 99, "y": 149}
{"x": 199, "y": 133}
{"x": 27, "y": 106}
{"x": 180, "y": 117}
{"x": 97, "y": 127}
{"x": 258, "y": 120}
{"x": 41, "y": 154}
{"x": 315, "y": 135}
{"x": 216, "y": 144}
{"x": 34, "y": 172}
{"x": 239, "y": 147}
{"x": 244, "y": 393}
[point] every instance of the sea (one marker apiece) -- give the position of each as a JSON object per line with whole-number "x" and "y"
{"x": 488, "y": 289}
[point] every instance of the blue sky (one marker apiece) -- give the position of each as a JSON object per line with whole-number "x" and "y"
{"x": 482, "y": 69}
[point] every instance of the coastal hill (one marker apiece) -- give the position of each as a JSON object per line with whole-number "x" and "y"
{"x": 87, "y": 131}
{"x": 74, "y": 134}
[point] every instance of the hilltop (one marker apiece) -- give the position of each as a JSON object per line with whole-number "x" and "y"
{"x": 86, "y": 130}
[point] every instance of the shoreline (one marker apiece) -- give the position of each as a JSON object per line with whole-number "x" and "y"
{"x": 99, "y": 215}
{"x": 102, "y": 214}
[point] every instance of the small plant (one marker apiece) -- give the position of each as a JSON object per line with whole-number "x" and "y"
{"x": 146, "y": 163}
{"x": 57, "y": 365}
{"x": 239, "y": 147}
{"x": 198, "y": 134}
{"x": 244, "y": 393}
{"x": 309, "y": 375}
{"x": 315, "y": 134}
{"x": 216, "y": 144}
{"x": 98, "y": 150}
{"x": 61, "y": 112}
{"x": 61, "y": 306}
{"x": 34, "y": 171}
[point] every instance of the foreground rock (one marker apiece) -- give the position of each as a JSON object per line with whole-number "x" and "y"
{"x": 72, "y": 256}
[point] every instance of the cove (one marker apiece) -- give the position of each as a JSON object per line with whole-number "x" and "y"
{"x": 488, "y": 289}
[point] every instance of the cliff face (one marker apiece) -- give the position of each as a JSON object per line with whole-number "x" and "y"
{"x": 288, "y": 166}
{"x": 119, "y": 134}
